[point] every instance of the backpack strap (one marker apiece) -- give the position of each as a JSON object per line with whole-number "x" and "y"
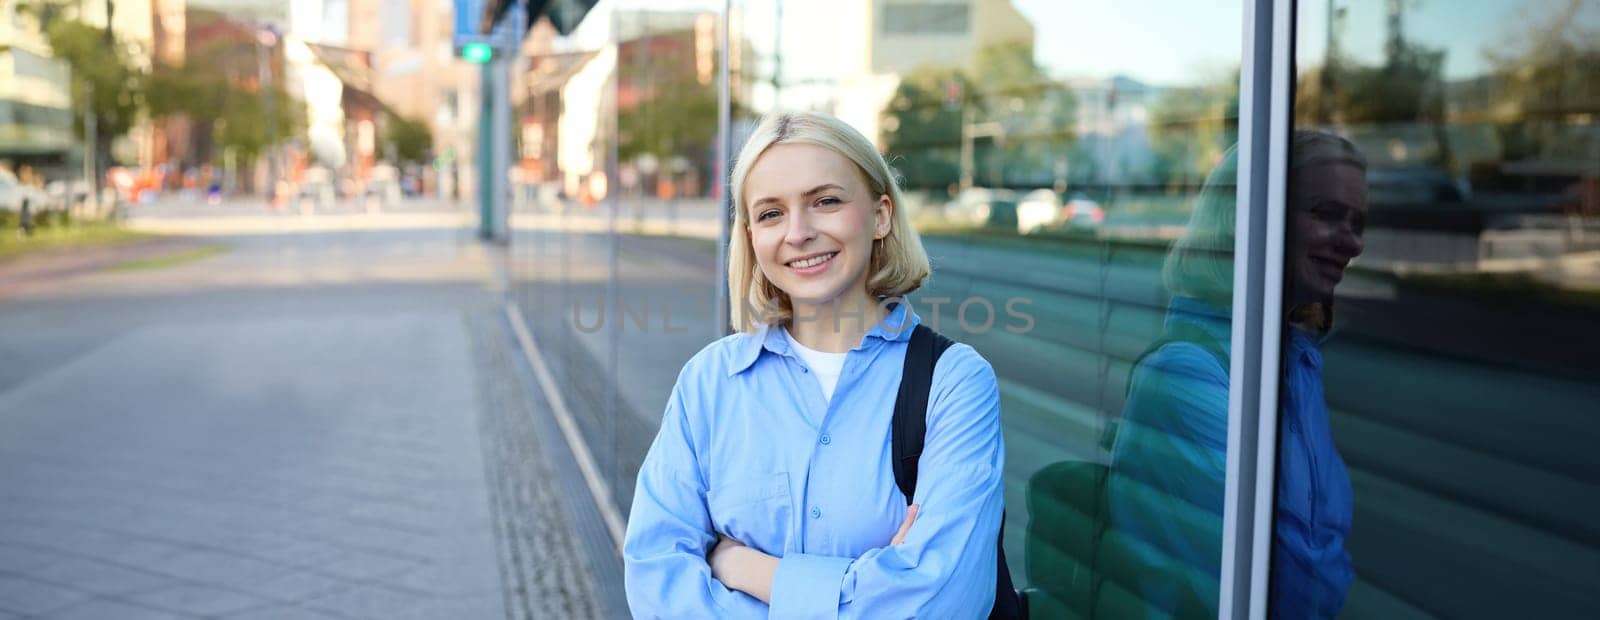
{"x": 910, "y": 423}
{"x": 909, "y": 429}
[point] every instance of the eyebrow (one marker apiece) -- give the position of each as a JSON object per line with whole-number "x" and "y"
{"x": 815, "y": 190}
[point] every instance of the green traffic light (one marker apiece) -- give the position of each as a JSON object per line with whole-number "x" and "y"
{"x": 477, "y": 52}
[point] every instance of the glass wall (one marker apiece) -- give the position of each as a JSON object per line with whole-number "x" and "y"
{"x": 1072, "y": 167}
{"x": 614, "y": 215}
{"x": 1437, "y": 430}
{"x": 1054, "y": 154}
{"x": 667, "y": 213}
{"x": 1073, "y": 182}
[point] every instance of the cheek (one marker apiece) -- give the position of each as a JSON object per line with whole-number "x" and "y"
{"x": 764, "y": 242}
{"x": 1306, "y": 232}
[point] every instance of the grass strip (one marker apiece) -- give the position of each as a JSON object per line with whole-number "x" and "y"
{"x": 78, "y": 234}
{"x": 169, "y": 260}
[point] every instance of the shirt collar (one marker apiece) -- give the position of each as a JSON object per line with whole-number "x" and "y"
{"x": 896, "y": 327}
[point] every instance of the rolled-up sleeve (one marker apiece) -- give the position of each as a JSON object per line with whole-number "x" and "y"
{"x": 669, "y": 533}
{"x": 946, "y": 566}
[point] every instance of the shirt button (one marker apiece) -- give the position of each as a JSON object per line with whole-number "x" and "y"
{"x": 816, "y": 513}
{"x": 826, "y": 440}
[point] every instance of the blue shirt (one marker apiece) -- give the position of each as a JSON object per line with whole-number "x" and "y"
{"x": 749, "y": 448}
{"x": 1173, "y": 438}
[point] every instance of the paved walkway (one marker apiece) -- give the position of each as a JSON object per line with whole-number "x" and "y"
{"x": 276, "y": 448}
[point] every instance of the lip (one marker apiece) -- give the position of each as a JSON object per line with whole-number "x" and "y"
{"x": 1332, "y": 268}
{"x": 814, "y": 269}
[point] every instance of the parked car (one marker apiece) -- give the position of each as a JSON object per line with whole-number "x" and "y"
{"x": 14, "y": 195}
{"x": 982, "y": 206}
{"x": 1039, "y": 210}
{"x": 384, "y": 187}
{"x": 316, "y": 190}
{"x": 1422, "y": 186}
{"x": 67, "y": 194}
{"x": 1082, "y": 212}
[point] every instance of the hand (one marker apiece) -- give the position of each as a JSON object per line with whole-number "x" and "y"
{"x": 905, "y": 526}
{"x": 741, "y": 568}
{"x": 721, "y": 560}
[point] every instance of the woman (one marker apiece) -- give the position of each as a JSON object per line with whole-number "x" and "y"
{"x": 770, "y": 488}
{"x": 1173, "y": 434}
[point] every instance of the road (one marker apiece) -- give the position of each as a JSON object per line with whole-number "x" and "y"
{"x": 321, "y": 422}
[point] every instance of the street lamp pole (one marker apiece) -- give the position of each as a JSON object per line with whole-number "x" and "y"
{"x": 268, "y": 38}
{"x": 91, "y": 140}
{"x": 971, "y": 130}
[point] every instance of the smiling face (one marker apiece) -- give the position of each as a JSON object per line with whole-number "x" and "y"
{"x": 1327, "y": 215}
{"x": 812, "y": 221}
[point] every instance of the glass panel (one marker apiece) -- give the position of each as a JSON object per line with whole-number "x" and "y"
{"x": 1052, "y": 154}
{"x": 668, "y": 227}
{"x": 1437, "y": 433}
{"x": 565, "y": 146}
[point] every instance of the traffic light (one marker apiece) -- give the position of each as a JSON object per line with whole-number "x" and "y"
{"x": 477, "y": 52}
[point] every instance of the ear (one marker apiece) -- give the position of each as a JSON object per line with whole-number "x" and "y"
{"x": 883, "y": 217}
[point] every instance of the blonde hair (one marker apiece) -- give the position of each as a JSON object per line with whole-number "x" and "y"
{"x": 898, "y": 265}
{"x": 1201, "y": 262}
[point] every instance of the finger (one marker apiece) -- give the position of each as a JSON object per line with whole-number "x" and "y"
{"x": 905, "y": 527}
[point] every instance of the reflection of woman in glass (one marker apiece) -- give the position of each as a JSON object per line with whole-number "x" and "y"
{"x": 770, "y": 486}
{"x": 1165, "y": 491}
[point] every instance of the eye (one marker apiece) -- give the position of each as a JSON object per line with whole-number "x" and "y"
{"x": 828, "y": 201}
{"x": 1327, "y": 212}
{"x": 766, "y": 215}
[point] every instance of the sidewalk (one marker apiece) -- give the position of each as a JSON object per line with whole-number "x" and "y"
{"x": 44, "y": 267}
{"x": 290, "y": 449}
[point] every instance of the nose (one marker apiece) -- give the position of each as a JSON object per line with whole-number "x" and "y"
{"x": 800, "y": 231}
{"x": 1348, "y": 240}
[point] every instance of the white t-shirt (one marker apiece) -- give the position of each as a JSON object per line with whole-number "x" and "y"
{"x": 827, "y": 366}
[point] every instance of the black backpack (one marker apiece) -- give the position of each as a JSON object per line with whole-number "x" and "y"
{"x": 910, "y": 426}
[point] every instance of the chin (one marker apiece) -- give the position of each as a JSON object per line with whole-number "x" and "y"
{"x": 814, "y": 295}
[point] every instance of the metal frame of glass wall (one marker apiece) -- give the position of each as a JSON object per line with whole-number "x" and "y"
{"x": 1265, "y": 97}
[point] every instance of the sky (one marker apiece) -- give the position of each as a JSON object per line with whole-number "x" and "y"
{"x": 1165, "y": 42}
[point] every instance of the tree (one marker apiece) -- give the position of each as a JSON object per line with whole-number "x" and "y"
{"x": 675, "y": 114}
{"x": 104, "y": 80}
{"x": 922, "y": 127}
{"x": 1407, "y": 88}
{"x": 407, "y": 140}
{"x": 1191, "y": 128}
{"x": 1037, "y": 115}
{"x": 1034, "y": 113}
{"x": 243, "y": 123}
{"x": 219, "y": 91}
{"x": 1547, "y": 81}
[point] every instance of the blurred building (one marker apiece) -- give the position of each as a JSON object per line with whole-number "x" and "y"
{"x": 360, "y": 109}
{"x": 35, "y": 89}
{"x": 870, "y": 56}
{"x": 35, "y": 98}
{"x": 170, "y": 136}
{"x": 911, "y": 34}
{"x": 416, "y": 73}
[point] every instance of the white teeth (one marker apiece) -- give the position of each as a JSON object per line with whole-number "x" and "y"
{"x": 811, "y": 262}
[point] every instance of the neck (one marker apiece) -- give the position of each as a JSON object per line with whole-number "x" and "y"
{"x": 835, "y": 326}
{"x": 1311, "y": 317}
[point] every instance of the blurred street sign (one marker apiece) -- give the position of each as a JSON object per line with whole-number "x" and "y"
{"x": 504, "y": 38}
